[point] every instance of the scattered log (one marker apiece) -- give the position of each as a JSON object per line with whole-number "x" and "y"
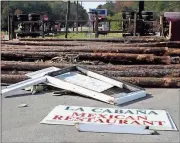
{"x": 40, "y": 43}
{"x": 134, "y": 50}
{"x": 153, "y": 82}
{"x": 154, "y": 38}
{"x": 122, "y": 40}
{"x": 122, "y": 73}
{"x": 126, "y": 43}
{"x": 12, "y": 78}
{"x": 126, "y": 58}
{"x": 33, "y": 66}
{"x": 79, "y": 56}
{"x": 173, "y": 52}
{"x": 143, "y": 73}
{"x": 140, "y": 81}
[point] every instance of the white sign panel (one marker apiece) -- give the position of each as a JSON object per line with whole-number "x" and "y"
{"x": 85, "y": 81}
{"x": 68, "y": 115}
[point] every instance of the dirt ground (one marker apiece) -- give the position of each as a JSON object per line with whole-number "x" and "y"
{"x": 23, "y": 124}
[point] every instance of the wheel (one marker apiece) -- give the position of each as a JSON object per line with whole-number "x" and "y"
{"x": 22, "y": 17}
{"x": 129, "y": 16}
{"x": 128, "y": 12}
{"x": 33, "y": 15}
{"x": 34, "y": 18}
{"x": 147, "y": 13}
{"x": 147, "y": 17}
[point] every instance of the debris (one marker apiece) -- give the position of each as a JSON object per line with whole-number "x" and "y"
{"x": 22, "y": 105}
{"x": 70, "y": 115}
{"x": 37, "y": 89}
{"x": 80, "y": 81}
{"x": 21, "y": 85}
{"x": 62, "y": 92}
{"x": 114, "y": 128}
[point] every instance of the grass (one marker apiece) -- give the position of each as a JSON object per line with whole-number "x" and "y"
{"x": 83, "y": 35}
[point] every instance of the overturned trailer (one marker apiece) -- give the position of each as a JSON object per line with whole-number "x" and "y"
{"x": 171, "y": 25}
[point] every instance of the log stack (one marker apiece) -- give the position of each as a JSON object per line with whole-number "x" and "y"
{"x": 144, "y": 61}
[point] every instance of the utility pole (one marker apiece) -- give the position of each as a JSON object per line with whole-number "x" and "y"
{"x": 96, "y": 25}
{"x": 9, "y": 26}
{"x": 67, "y": 18}
{"x": 77, "y": 16}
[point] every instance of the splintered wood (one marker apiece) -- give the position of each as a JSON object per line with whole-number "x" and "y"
{"x": 144, "y": 61}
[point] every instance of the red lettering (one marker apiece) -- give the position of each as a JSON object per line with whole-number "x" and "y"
{"x": 90, "y": 119}
{"x": 130, "y": 117}
{"x": 135, "y": 122}
{"x": 57, "y": 117}
{"x": 99, "y": 120}
{"x": 110, "y": 121}
{"x": 101, "y": 115}
{"x": 79, "y": 119}
{"x": 119, "y": 116}
{"x": 144, "y": 118}
{"x": 122, "y": 121}
{"x": 160, "y": 123}
{"x": 144, "y": 122}
{"x": 111, "y": 116}
{"x": 68, "y": 118}
{"x": 91, "y": 115}
{"x": 76, "y": 114}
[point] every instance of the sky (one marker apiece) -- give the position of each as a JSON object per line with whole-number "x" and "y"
{"x": 88, "y": 5}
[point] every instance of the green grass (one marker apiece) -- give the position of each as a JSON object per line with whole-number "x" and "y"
{"x": 84, "y": 36}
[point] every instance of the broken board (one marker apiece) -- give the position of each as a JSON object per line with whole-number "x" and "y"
{"x": 83, "y": 82}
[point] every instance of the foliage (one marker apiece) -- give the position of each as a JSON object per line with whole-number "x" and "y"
{"x": 56, "y": 10}
{"x": 116, "y": 25}
{"x": 159, "y": 7}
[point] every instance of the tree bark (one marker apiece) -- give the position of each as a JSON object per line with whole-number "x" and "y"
{"x": 105, "y": 57}
{"x": 57, "y": 39}
{"x": 110, "y": 42}
{"x": 134, "y": 50}
{"x": 140, "y": 81}
{"x": 33, "y": 66}
{"x": 122, "y": 73}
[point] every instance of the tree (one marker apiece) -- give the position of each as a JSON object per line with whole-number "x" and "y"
{"x": 116, "y": 25}
{"x": 109, "y": 6}
{"x": 55, "y": 10}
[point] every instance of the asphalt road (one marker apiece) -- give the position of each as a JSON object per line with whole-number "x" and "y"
{"x": 23, "y": 124}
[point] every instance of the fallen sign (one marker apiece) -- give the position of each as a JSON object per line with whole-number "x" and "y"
{"x": 114, "y": 128}
{"x": 71, "y": 115}
{"x": 83, "y": 82}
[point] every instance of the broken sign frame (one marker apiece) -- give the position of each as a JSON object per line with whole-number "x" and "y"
{"x": 57, "y": 77}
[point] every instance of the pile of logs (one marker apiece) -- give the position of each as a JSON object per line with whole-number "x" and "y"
{"x": 147, "y": 62}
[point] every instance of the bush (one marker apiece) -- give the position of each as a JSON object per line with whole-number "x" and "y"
{"x": 116, "y": 25}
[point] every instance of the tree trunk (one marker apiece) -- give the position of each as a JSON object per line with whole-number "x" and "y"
{"x": 104, "y": 57}
{"x": 33, "y": 66}
{"x": 134, "y": 50}
{"x": 140, "y": 81}
{"x": 122, "y": 73}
